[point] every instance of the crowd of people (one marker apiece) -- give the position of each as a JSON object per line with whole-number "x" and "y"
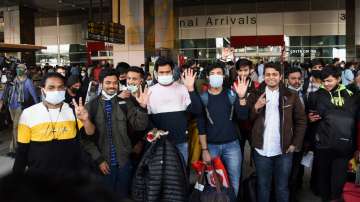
{"x": 103, "y": 120}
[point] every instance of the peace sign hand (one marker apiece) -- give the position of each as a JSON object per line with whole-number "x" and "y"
{"x": 241, "y": 86}
{"x": 188, "y": 77}
{"x": 143, "y": 96}
{"x": 80, "y": 111}
{"x": 260, "y": 103}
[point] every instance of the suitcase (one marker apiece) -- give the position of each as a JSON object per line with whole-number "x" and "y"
{"x": 351, "y": 192}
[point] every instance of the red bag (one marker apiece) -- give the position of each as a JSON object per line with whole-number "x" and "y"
{"x": 218, "y": 166}
{"x": 351, "y": 192}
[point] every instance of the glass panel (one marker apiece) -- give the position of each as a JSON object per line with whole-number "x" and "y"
{"x": 295, "y": 40}
{"x": 251, "y": 49}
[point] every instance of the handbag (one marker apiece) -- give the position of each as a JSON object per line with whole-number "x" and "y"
{"x": 204, "y": 192}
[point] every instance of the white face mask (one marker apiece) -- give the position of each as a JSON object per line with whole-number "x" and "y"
{"x": 216, "y": 81}
{"x": 165, "y": 80}
{"x": 83, "y": 74}
{"x": 132, "y": 88}
{"x": 295, "y": 89}
{"x": 149, "y": 82}
{"x": 54, "y": 97}
{"x": 107, "y": 96}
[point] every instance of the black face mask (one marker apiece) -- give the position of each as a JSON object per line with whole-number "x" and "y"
{"x": 123, "y": 82}
{"x": 316, "y": 74}
{"x": 75, "y": 90}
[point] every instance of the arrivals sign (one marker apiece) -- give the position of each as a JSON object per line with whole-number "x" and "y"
{"x": 213, "y": 21}
{"x": 106, "y": 32}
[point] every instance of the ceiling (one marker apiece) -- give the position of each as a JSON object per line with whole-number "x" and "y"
{"x": 53, "y": 5}
{"x": 208, "y": 2}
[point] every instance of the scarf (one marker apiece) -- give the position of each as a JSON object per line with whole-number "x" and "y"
{"x": 338, "y": 100}
{"x": 18, "y": 90}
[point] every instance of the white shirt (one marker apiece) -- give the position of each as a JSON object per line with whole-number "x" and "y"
{"x": 271, "y": 144}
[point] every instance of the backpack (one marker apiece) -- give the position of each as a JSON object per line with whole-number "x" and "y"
{"x": 337, "y": 131}
{"x": 205, "y": 100}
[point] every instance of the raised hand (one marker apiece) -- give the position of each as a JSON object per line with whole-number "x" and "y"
{"x": 188, "y": 77}
{"x": 143, "y": 96}
{"x": 80, "y": 110}
{"x": 241, "y": 86}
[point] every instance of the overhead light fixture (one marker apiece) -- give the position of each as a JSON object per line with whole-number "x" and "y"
{"x": 60, "y": 1}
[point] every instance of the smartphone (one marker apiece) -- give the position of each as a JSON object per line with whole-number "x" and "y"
{"x": 314, "y": 112}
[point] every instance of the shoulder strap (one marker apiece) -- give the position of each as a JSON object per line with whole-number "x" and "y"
{"x": 232, "y": 98}
{"x": 205, "y": 100}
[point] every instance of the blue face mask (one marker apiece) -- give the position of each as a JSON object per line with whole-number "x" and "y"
{"x": 216, "y": 81}
{"x": 166, "y": 80}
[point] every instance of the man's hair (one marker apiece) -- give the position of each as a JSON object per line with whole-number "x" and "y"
{"x": 22, "y": 66}
{"x": 273, "y": 66}
{"x": 161, "y": 61}
{"x": 330, "y": 70}
{"x": 107, "y": 72}
{"x": 122, "y": 68}
{"x": 60, "y": 67}
{"x": 215, "y": 65}
{"x": 317, "y": 62}
{"x": 293, "y": 70}
{"x": 335, "y": 60}
{"x": 138, "y": 70}
{"x": 189, "y": 63}
{"x": 52, "y": 75}
{"x": 243, "y": 63}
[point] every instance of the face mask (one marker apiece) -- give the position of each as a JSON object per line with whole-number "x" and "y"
{"x": 83, "y": 74}
{"x": 216, "y": 81}
{"x": 3, "y": 78}
{"x": 295, "y": 89}
{"x": 107, "y": 96}
{"x": 132, "y": 88}
{"x": 123, "y": 82}
{"x": 165, "y": 80}
{"x": 55, "y": 97}
{"x": 75, "y": 90}
{"x": 316, "y": 74}
{"x": 149, "y": 82}
{"x": 20, "y": 72}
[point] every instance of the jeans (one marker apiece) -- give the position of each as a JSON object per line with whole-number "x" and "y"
{"x": 230, "y": 154}
{"x": 267, "y": 167}
{"x": 184, "y": 150}
{"x": 15, "y": 117}
{"x": 119, "y": 180}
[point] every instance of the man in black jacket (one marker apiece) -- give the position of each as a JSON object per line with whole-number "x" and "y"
{"x": 111, "y": 147}
{"x": 336, "y": 108}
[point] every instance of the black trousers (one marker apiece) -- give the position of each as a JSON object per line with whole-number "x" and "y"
{"x": 329, "y": 174}
{"x": 297, "y": 173}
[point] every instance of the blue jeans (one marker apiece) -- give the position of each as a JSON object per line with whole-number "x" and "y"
{"x": 230, "y": 154}
{"x": 184, "y": 150}
{"x": 119, "y": 180}
{"x": 267, "y": 167}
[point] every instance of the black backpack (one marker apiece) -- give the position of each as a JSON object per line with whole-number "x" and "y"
{"x": 337, "y": 131}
